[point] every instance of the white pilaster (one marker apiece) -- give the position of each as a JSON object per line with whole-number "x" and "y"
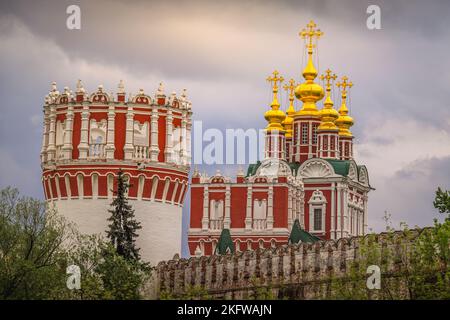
{"x": 227, "y": 219}
{"x": 83, "y": 147}
{"x": 168, "y": 152}
{"x": 154, "y": 149}
{"x": 333, "y": 212}
{"x": 67, "y": 147}
{"x": 188, "y": 142}
{"x": 339, "y": 212}
{"x": 45, "y": 136}
{"x": 129, "y": 148}
{"x": 110, "y": 148}
{"x": 51, "y": 148}
{"x": 290, "y": 221}
{"x": 270, "y": 208}
{"x": 205, "y": 218}
{"x": 183, "y": 139}
{"x": 248, "y": 212}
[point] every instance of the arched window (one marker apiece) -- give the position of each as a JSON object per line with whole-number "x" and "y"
{"x": 317, "y": 208}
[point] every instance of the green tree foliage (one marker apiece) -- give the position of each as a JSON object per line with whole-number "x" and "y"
{"x": 420, "y": 263}
{"x": 442, "y": 201}
{"x": 37, "y": 245}
{"x": 122, "y": 231}
{"x": 105, "y": 273}
{"x": 32, "y": 261}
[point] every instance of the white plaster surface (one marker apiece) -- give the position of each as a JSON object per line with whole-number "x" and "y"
{"x": 160, "y": 236}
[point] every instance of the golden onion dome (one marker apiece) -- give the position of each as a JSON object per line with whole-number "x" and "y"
{"x": 287, "y": 125}
{"x": 328, "y": 114}
{"x": 344, "y": 121}
{"x": 275, "y": 116}
{"x": 309, "y": 92}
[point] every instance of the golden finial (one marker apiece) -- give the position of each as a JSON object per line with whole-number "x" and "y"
{"x": 310, "y": 32}
{"x": 344, "y": 122}
{"x": 309, "y": 92}
{"x": 275, "y": 80}
{"x": 275, "y": 116}
{"x": 328, "y": 77}
{"x": 287, "y": 123}
{"x": 328, "y": 115}
{"x": 290, "y": 89}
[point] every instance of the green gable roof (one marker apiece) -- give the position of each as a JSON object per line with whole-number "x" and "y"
{"x": 340, "y": 167}
{"x": 225, "y": 243}
{"x": 298, "y": 235}
{"x": 251, "y": 170}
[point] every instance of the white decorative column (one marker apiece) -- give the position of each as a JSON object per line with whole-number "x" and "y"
{"x": 83, "y": 147}
{"x": 188, "y": 141}
{"x": 290, "y": 221}
{"x": 227, "y": 219}
{"x": 51, "y": 149}
{"x": 270, "y": 208}
{"x": 154, "y": 149}
{"x": 183, "y": 139}
{"x": 346, "y": 212}
{"x": 302, "y": 208}
{"x": 168, "y": 152}
{"x": 339, "y": 211}
{"x": 45, "y": 136}
{"x": 333, "y": 212}
{"x": 128, "y": 148}
{"x": 365, "y": 198}
{"x": 205, "y": 218}
{"x": 67, "y": 147}
{"x": 110, "y": 148}
{"x": 248, "y": 212}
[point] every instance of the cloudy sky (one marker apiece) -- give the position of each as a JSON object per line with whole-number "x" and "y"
{"x": 222, "y": 51}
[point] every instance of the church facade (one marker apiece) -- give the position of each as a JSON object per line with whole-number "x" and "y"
{"x": 308, "y": 173}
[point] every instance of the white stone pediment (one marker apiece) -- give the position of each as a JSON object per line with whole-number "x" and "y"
{"x": 315, "y": 168}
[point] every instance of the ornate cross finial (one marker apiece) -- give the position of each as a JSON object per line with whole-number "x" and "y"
{"x": 290, "y": 89}
{"x": 343, "y": 85}
{"x": 310, "y": 32}
{"x": 328, "y": 77}
{"x": 275, "y": 80}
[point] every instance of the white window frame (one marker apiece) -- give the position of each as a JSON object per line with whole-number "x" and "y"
{"x": 317, "y": 201}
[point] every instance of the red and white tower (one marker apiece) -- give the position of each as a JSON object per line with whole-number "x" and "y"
{"x": 307, "y": 119}
{"x": 88, "y": 138}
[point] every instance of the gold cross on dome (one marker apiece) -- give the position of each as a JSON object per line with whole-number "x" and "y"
{"x": 310, "y": 32}
{"x": 290, "y": 88}
{"x": 344, "y": 84}
{"x": 328, "y": 77}
{"x": 275, "y": 80}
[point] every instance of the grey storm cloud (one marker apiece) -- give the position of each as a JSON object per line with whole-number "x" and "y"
{"x": 222, "y": 52}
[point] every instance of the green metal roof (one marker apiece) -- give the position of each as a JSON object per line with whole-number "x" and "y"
{"x": 251, "y": 170}
{"x": 225, "y": 244}
{"x": 299, "y": 235}
{"x": 340, "y": 166}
